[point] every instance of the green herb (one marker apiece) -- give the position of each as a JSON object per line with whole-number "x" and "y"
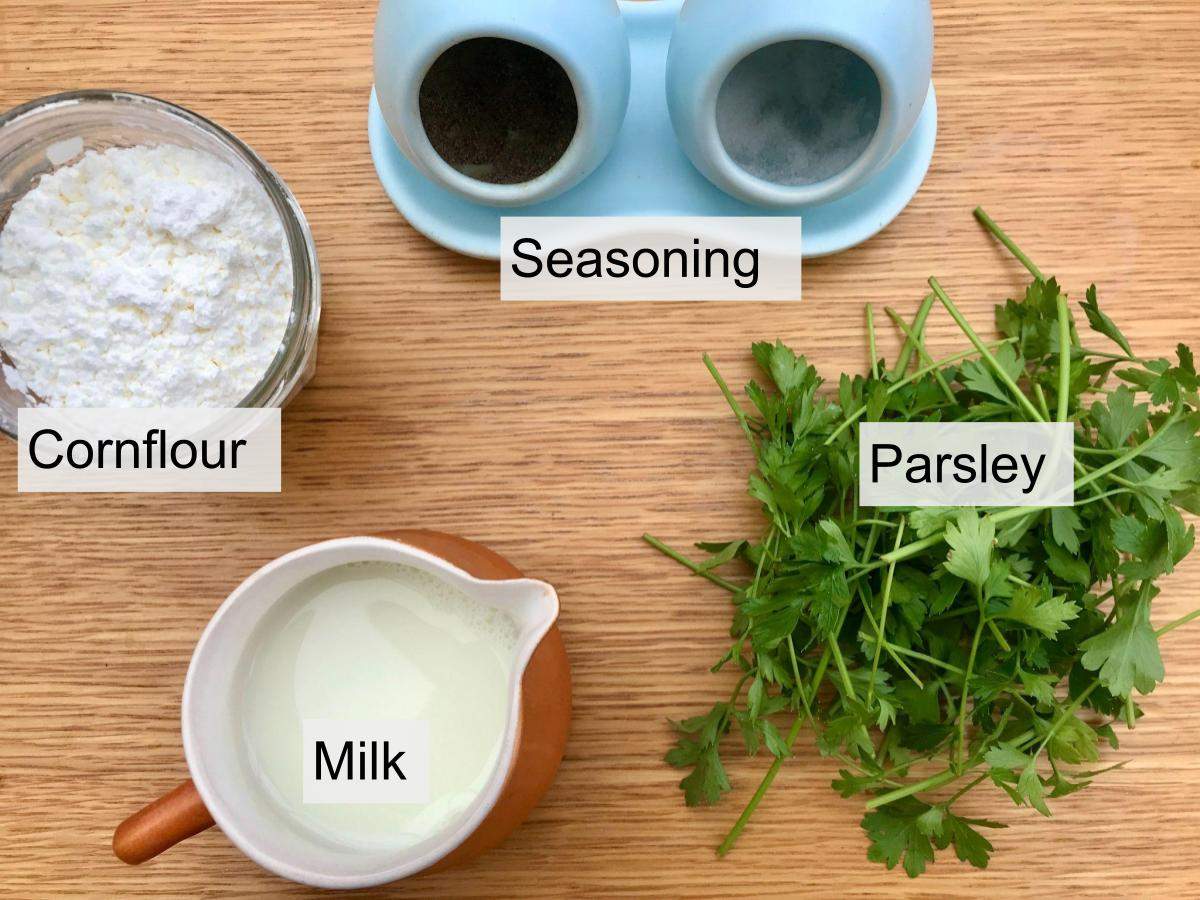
{"x": 935, "y": 651}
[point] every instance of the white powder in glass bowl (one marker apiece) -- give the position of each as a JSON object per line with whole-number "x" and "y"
{"x": 143, "y": 276}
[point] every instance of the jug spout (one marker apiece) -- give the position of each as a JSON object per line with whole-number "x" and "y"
{"x": 532, "y": 606}
{"x": 542, "y": 689}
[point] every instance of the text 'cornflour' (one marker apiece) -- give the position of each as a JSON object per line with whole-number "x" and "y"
{"x": 148, "y": 450}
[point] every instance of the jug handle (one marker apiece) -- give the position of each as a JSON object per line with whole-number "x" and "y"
{"x": 171, "y": 818}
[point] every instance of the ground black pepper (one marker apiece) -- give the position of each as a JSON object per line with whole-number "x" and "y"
{"x": 498, "y": 110}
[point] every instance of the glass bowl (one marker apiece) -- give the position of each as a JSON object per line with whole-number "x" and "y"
{"x": 39, "y": 137}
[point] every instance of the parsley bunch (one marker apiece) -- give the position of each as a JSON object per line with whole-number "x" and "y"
{"x": 935, "y": 651}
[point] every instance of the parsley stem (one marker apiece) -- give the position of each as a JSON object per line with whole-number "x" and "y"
{"x": 931, "y": 783}
{"x": 934, "y": 781}
{"x": 1064, "y": 382}
{"x": 731, "y": 400}
{"x": 772, "y": 535}
{"x": 1124, "y": 482}
{"x": 887, "y": 599}
{"x": 1008, "y": 242}
{"x": 910, "y": 550}
{"x": 847, "y": 684}
{"x": 891, "y": 649}
{"x": 819, "y": 674}
{"x": 769, "y": 778}
{"x": 912, "y": 336}
{"x": 737, "y": 692}
{"x": 1081, "y": 469}
{"x": 1115, "y": 492}
{"x": 922, "y": 353}
{"x": 957, "y": 795}
{"x": 1040, "y": 396}
{"x": 1119, "y": 357}
{"x": 689, "y": 564}
{"x": 1129, "y": 455}
{"x": 1064, "y": 359}
{"x": 984, "y": 352}
{"x": 871, "y": 342}
{"x": 998, "y": 635}
{"x": 966, "y": 688}
{"x": 1064, "y": 328}
{"x": 924, "y": 657}
{"x": 803, "y": 695}
{"x": 1024, "y": 740}
{"x": 765, "y": 785}
{"x": 1068, "y": 712}
{"x": 1183, "y": 620}
{"x": 831, "y": 646}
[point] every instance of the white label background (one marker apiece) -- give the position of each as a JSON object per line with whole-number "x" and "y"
{"x": 410, "y": 736}
{"x": 777, "y": 240}
{"x": 258, "y": 469}
{"x": 1055, "y": 485}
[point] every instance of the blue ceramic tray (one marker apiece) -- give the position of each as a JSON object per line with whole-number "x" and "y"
{"x": 647, "y": 174}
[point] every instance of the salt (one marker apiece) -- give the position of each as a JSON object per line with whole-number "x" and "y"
{"x": 799, "y": 112}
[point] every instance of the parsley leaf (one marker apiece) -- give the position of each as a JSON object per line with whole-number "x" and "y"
{"x": 1102, "y": 323}
{"x": 1033, "y": 606}
{"x": 896, "y": 835}
{"x": 1066, "y": 525}
{"x": 970, "y": 538}
{"x": 1126, "y": 654}
{"x": 1120, "y": 418}
{"x": 1066, "y": 566}
{"x": 969, "y": 845}
{"x": 708, "y": 781}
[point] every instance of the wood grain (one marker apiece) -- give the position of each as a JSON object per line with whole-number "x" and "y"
{"x": 558, "y": 434}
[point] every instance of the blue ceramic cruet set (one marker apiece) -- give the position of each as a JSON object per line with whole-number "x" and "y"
{"x": 822, "y": 109}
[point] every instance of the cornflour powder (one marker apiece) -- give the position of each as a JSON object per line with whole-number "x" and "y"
{"x": 143, "y": 276}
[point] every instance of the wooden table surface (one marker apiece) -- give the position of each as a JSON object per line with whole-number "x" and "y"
{"x": 558, "y": 434}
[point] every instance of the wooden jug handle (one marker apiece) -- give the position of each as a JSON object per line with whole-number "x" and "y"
{"x": 171, "y": 818}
